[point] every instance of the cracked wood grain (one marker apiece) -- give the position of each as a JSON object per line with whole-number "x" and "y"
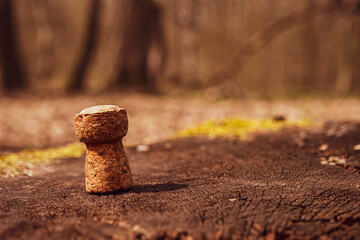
{"x": 266, "y": 188}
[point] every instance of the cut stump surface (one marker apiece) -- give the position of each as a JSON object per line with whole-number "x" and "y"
{"x": 270, "y": 187}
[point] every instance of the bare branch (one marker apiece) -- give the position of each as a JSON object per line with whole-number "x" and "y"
{"x": 273, "y": 29}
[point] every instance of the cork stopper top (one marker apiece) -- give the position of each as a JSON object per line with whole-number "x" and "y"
{"x": 101, "y": 124}
{"x": 100, "y": 109}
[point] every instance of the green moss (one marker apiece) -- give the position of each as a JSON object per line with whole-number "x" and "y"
{"x": 237, "y": 127}
{"x": 14, "y": 164}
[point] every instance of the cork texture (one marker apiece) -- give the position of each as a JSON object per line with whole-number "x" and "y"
{"x": 107, "y": 168}
{"x": 101, "y": 124}
{"x": 102, "y": 128}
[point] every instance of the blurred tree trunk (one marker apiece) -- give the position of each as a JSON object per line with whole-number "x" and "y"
{"x": 142, "y": 53}
{"x": 355, "y": 84}
{"x": 311, "y": 51}
{"x": 12, "y": 70}
{"x": 188, "y": 33}
{"x": 44, "y": 40}
{"x": 92, "y": 30}
{"x": 346, "y": 57}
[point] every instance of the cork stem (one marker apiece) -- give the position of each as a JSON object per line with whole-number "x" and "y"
{"x": 107, "y": 167}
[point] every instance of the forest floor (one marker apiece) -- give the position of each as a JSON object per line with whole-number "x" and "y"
{"x": 40, "y": 121}
{"x": 294, "y": 183}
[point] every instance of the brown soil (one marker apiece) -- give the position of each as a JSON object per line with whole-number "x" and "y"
{"x": 271, "y": 187}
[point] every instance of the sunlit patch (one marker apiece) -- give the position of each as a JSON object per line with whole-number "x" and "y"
{"x": 14, "y": 164}
{"x": 333, "y": 161}
{"x": 238, "y": 127}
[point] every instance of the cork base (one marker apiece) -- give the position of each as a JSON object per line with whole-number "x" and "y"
{"x": 107, "y": 168}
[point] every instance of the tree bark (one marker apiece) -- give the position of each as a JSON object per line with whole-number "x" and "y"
{"x": 13, "y": 73}
{"x": 86, "y": 56}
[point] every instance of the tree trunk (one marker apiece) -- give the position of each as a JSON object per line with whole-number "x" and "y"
{"x": 44, "y": 59}
{"x": 13, "y": 73}
{"x": 355, "y": 85}
{"x": 143, "y": 49}
{"x": 92, "y": 30}
{"x": 311, "y": 52}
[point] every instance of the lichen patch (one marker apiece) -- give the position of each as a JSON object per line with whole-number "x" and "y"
{"x": 20, "y": 163}
{"x": 238, "y": 127}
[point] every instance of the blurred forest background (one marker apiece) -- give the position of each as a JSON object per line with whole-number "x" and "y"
{"x": 238, "y": 48}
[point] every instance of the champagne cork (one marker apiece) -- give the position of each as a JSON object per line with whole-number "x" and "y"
{"x": 102, "y": 129}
